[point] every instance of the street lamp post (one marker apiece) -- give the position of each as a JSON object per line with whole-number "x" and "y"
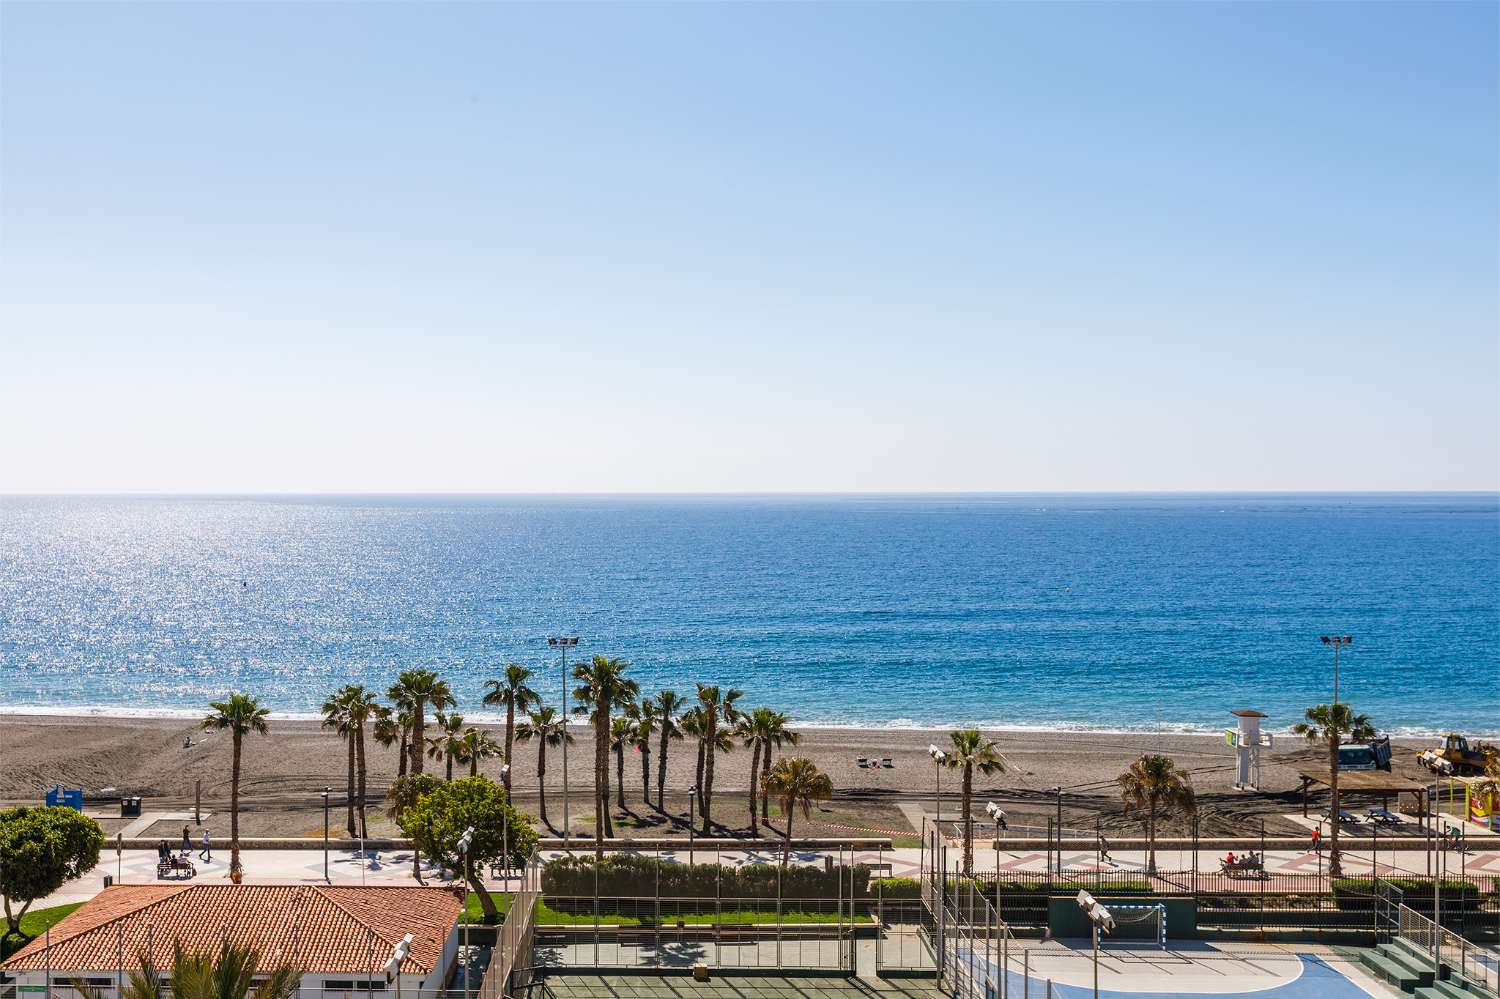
{"x": 1338, "y": 642}
{"x": 505, "y": 832}
{"x": 938, "y": 756}
{"x": 325, "y": 835}
{"x": 563, "y": 643}
{"x": 995, "y": 812}
{"x": 692, "y": 799}
{"x": 464, "y": 843}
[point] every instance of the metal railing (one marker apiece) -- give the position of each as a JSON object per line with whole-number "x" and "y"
{"x": 511, "y": 957}
{"x": 1478, "y": 964}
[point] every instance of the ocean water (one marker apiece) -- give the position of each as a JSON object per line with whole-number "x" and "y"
{"x": 1155, "y": 613}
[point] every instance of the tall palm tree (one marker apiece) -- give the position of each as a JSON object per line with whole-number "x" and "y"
{"x": 448, "y": 741}
{"x": 760, "y": 730}
{"x": 511, "y": 692}
{"x": 621, "y": 737}
{"x": 642, "y": 728}
{"x": 240, "y": 715}
{"x": 779, "y": 735}
{"x": 718, "y": 710}
{"x": 404, "y": 707}
{"x": 421, "y": 688}
{"x": 796, "y": 781}
{"x": 1154, "y": 782}
{"x": 336, "y": 716}
{"x": 548, "y": 728}
{"x": 1329, "y": 725}
{"x": 363, "y": 708}
{"x": 603, "y": 687}
{"x": 972, "y": 751}
{"x": 668, "y": 704}
{"x": 389, "y": 728}
{"x": 475, "y": 746}
{"x": 695, "y": 726}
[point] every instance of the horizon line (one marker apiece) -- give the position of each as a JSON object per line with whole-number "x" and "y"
{"x": 643, "y": 493}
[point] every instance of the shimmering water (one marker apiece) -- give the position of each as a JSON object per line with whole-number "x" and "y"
{"x": 1115, "y": 612}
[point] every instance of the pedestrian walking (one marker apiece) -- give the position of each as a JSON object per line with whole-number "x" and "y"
{"x": 206, "y": 853}
{"x": 187, "y": 841}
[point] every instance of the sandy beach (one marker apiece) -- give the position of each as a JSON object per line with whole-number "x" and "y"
{"x": 284, "y": 773}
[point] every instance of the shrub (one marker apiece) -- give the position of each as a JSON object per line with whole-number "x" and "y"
{"x": 896, "y": 888}
{"x": 628, "y": 876}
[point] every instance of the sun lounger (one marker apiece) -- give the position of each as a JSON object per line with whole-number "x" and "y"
{"x": 862, "y": 762}
{"x": 1383, "y": 817}
{"x": 887, "y": 763}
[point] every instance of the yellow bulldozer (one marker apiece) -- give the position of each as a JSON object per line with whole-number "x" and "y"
{"x": 1457, "y": 757}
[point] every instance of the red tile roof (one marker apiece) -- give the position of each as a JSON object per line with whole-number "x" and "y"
{"x": 324, "y": 929}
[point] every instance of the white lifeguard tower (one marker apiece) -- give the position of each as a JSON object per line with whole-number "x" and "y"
{"x": 1248, "y": 740}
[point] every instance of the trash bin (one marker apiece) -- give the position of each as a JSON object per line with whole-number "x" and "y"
{"x": 130, "y": 808}
{"x": 109, "y": 879}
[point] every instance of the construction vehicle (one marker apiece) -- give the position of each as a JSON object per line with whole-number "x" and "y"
{"x": 1372, "y": 755}
{"x": 1456, "y": 757}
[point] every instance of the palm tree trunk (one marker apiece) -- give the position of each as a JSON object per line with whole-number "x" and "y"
{"x": 968, "y": 805}
{"x": 601, "y": 776}
{"x": 698, "y": 777}
{"x": 418, "y": 736}
{"x": 349, "y": 798}
{"x": 510, "y": 730}
{"x": 541, "y": 780}
{"x": 1150, "y": 834}
{"x": 661, "y": 773}
{"x": 401, "y": 755}
{"x": 620, "y": 774}
{"x": 448, "y": 759}
{"x": 765, "y": 798}
{"x": 646, "y": 771}
{"x": 710, "y": 751}
{"x": 359, "y": 732}
{"x": 754, "y": 769}
{"x": 234, "y": 806}
{"x": 474, "y": 770}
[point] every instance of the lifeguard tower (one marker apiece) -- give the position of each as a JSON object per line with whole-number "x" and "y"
{"x": 1248, "y": 740}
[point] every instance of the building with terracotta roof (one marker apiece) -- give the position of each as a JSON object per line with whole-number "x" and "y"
{"x": 341, "y": 937}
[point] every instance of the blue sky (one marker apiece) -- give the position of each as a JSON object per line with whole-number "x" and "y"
{"x": 420, "y": 247}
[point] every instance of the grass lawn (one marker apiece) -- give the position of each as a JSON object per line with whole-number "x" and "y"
{"x": 547, "y": 916}
{"x": 34, "y": 924}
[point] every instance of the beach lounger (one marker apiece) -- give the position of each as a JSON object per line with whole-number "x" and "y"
{"x": 861, "y": 763}
{"x": 887, "y": 763}
{"x": 1383, "y": 817}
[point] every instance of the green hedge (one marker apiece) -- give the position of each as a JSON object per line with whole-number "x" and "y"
{"x": 1358, "y": 893}
{"x": 635, "y": 877}
{"x": 896, "y": 889}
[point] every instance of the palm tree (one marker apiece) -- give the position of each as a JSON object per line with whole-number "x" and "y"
{"x": 362, "y": 706}
{"x": 404, "y": 707}
{"x": 336, "y": 716}
{"x": 972, "y": 751}
{"x": 1151, "y": 782}
{"x": 420, "y": 688}
{"x": 512, "y": 692}
{"x": 796, "y": 781}
{"x": 780, "y": 735}
{"x": 548, "y": 728}
{"x": 1329, "y": 724}
{"x": 667, "y": 703}
{"x": 240, "y": 714}
{"x": 621, "y": 735}
{"x": 718, "y": 707}
{"x": 761, "y": 730}
{"x": 449, "y": 740}
{"x": 389, "y": 728}
{"x": 694, "y": 724}
{"x": 476, "y": 745}
{"x": 642, "y": 728}
{"x": 602, "y": 685}
{"x": 231, "y": 974}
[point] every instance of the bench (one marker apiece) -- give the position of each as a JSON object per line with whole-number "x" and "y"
{"x": 176, "y": 867}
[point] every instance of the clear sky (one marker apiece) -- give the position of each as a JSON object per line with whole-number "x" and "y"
{"x": 423, "y": 247}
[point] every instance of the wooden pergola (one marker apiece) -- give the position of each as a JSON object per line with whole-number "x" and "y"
{"x": 1370, "y": 782}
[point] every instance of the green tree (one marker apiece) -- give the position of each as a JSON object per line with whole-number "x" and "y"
{"x": 668, "y": 704}
{"x": 972, "y": 751}
{"x": 642, "y": 728}
{"x": 1331, "y": 725}
{"x": 41, "y": 849}
{"x": 1155, "y": 783}
{"x": 364, "y": 712}
{"x": 762, "y": 730}
{"x": 336, "y": 717}
{"x": 448, "y": 742}
{"x": 548, "y": 728}
{"x": 438, "y": 820}
{"x": 621, "y": 738}
{"x": 231, "y": 974}
{"x": 421, "y": 688}
{"x": 239, "y": 715}
{"x": 719, "y": 709}
{"x": 406, "y": 793}
{"x": 476, "y": 746}
{"x": 603, "y": 687}
{"x": 511, "y": 692}
{"x": 389, "y": 727}
{"x": 796, "y": 782}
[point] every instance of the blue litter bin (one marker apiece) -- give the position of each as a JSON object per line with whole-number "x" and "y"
{"x": 67, "y": 797}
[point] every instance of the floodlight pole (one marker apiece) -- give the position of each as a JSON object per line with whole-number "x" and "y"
{"x": 1338, "y": 642}
{"x": 563, "y": 643}
{"x": 692, "y": 800}
{"x": 325, "y": 835}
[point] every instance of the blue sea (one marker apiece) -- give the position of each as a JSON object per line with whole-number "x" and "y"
{"x": 1107, "y": 612}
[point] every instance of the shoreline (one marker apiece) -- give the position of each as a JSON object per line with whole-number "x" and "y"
{"x": 482, "y": 718}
